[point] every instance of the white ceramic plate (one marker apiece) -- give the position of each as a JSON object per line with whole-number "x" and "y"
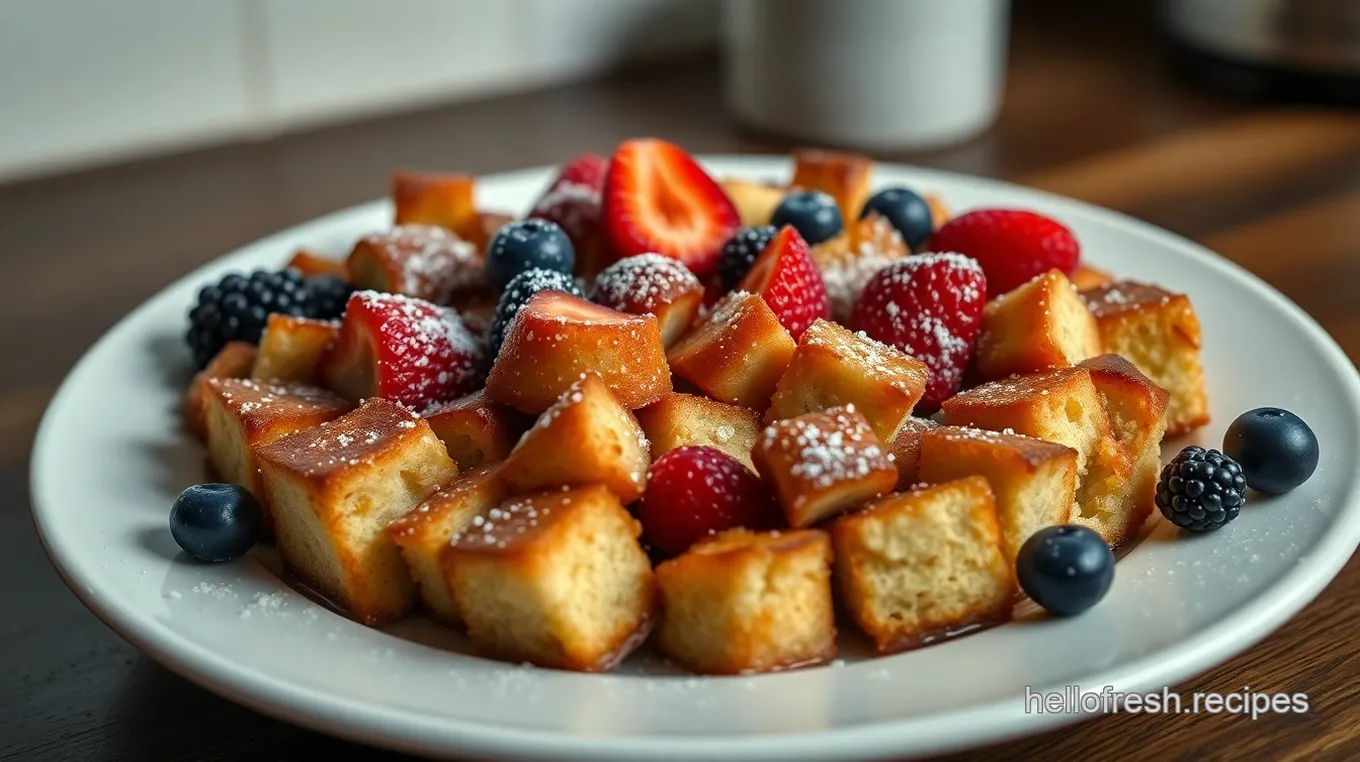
{"x": 110, "y": 459}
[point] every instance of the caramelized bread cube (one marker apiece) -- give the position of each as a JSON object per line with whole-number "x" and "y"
{"x": 1089, "y": 277}
{"x": 1159, "y": 333}
{"x": 821, "y": 464}
{"x": 736, "y": 353}
{"x": 850, "y": 260}
{"x": 557, "y": 337}
{"x": 744, "y": 602}
{"x": 833, "y": 366}
{"x": 915, "y": 566}
{"x": 291, "y": 348}
{"x": 421, "y": 261}
{"x": 333, "y": 490}
{"x": 422, "y": 534}
{"x": 1034, "y": 482}
{"x": 905, "y": 447}
{"x": 233, "y": 360}
{"x": 311, "y": 264}
{"x": 556, "y": 578}
{"x": 245, "y": 415}
{"x": 681, "y": 420}
{"x": 1042, "y": 324}
{"x": 482, "y": 227}
{"x": 587, "y": 437}
{"x": 755, "y": 201}
{"x": 429, "y": 198}
{"x": 843, "y": 176}
{"x": 652, "y": 284}
{"x": 476, "y": 431}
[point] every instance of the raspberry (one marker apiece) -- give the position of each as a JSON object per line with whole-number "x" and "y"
{"x": 1201, "y": 490}
{"x": 929, "y": 306}
{"x": 693, "y": 492}
{"x": 1012, "y": 246}
{"x": 573, "y": 199}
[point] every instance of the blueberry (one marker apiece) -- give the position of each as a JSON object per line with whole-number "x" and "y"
{"x": 1276, "y": 449}
{"x": 1065, "y": 569}
{"x": 906, "y": 211}
{"x": 215, "y": 522}
{"x": 526, "y": 245}
{"x": 812, "y": 213}
{"x": 740, "y": 252}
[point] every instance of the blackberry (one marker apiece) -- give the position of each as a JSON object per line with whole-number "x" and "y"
{"x": 518, "y": 291}
{"x": 236, "y": 308}
{"x": 741, "y": 251}
{"x": 1201, "y": 489}
{"x": 329, "y": 294}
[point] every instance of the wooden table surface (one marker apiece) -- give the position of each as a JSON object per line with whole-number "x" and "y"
{"x": 1090, "y": 112}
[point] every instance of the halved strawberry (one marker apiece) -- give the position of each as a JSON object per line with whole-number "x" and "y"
{"x": 788, "y": 280}
{"x": 658, "y": 199}
{"x": 403, "y": 349}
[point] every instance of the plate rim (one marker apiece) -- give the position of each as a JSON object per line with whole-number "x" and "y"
{"x": 441, "y": 735}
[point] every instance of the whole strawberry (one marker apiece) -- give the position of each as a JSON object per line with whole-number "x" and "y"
{"x": 1013, "y": 246}
{"x": 929, "y": 306}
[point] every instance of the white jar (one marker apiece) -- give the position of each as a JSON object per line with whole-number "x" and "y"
{"x": 874, "y": 74}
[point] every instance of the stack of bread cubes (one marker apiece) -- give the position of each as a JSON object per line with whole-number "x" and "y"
{"x": 506, "y": 514}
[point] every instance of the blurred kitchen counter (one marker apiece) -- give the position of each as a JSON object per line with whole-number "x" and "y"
{"x": 1090, "y": 112}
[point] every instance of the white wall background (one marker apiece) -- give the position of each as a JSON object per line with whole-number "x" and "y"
{"x": 91, "y": 81}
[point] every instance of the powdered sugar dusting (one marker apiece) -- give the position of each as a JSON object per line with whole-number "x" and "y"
{"x": 427, "y": 354}
{"x": 646, "y": 282}
{"x": 825, "y": 449}
{"x": 429, "y": 262}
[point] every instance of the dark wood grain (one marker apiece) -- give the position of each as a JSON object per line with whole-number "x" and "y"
{"x": 1090, "y": 112}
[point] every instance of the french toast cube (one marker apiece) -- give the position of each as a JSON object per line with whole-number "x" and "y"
{"x": 312, "y": 264}
{"x": 587, "y": 437}
{"x": 422, "y": 534}
{"x": 743, "y": 602}
{"x": 1137, "y": 409}
{"x": 554, "y": 578}
{"x": 1042, "y": 324}
{"x": 433, "y": 198}
{"x": 1033, "y": 482}
{"x": 1159, "y": 333}
{"x": 233, "y": 360}
{"x": 333, "y": 490}
{"x": 843, "y": 176}
{"x": 245, "y": 415}
{"x": 557, "y": 337}
{"x": 821, "y": 464}
{"x": 834, "y": 366}
{"x": 1087, "y": 277}
{"x": 421, "y": 261}
{"x": 681, "y": 420}
{"x": 755, "y": 201}
{"x": 477, "y": 431}
{"x": 915, "y": 566}
{"x": 291, "y": 348}
{"x": 905, "y": 448}
{"x": 736, "y": 353}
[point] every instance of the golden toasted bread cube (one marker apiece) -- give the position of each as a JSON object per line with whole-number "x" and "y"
{"x": 335, "y": 487}
{"x": 422, "y": 261}
{"x": 587, "y": 437}
{"x": 736, "y": 353}
{"x": 555, "y": 578}
{"x": 1042, "y": 324}
{"x": 821, "y": 464}
{"x": 850, "y": 260}
{"x": 905, "y": 447}
{"x": 833, "y": 366}
{"x": 1137, "y": 409}
{"x": 1060, "y": 405}
{"x": 430, "y": 198}
{"x": 919, "y": 565}
{"x": 1089, "y": 277}
{"x": 745, "y": 602}
{"x": 244, "y": 415}
{"x": 1034, "y": 482}
{"x": 681, "y": 420}
{"x": 1159, "y": 333}
{"x": 843, "y": 176}
{"x": 233, "y": 360}
{"x": 755, "y": 201}
{"x": 311, "y": 264}
{"x": 291, "y": 347}
{"x": 477, "y": 431}
{"x": 557, "y": 337}
{"x": 422, "y": 534}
